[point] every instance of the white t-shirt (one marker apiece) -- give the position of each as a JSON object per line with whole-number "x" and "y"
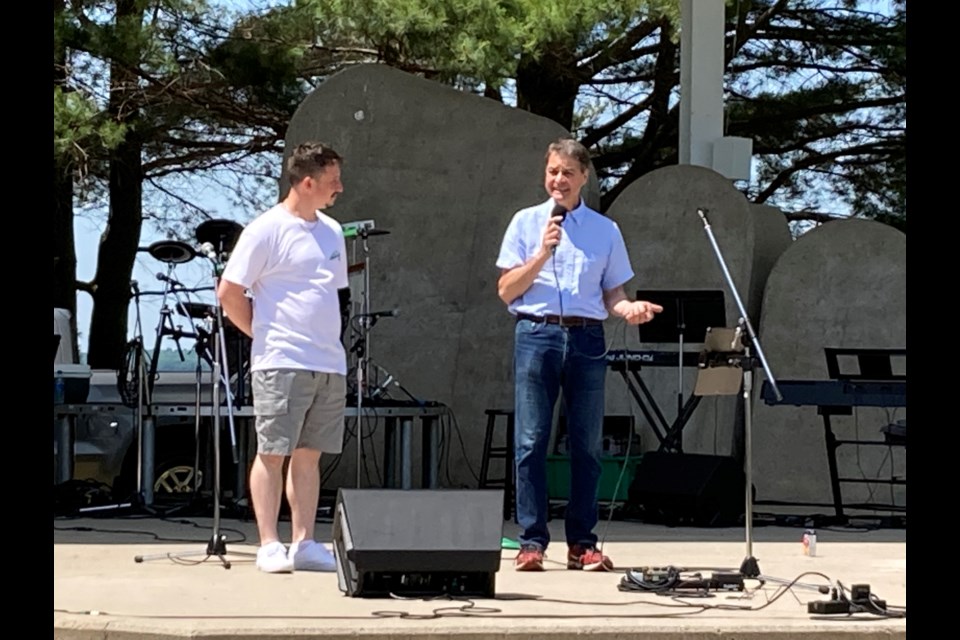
{"x": 293, "y": 268}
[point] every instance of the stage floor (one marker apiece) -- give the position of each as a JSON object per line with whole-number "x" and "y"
{"x": 101, "y": 592}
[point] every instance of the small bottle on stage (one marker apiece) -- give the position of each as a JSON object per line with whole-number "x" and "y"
{"x": 810, "y": 543}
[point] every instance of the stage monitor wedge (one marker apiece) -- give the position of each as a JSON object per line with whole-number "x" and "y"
{"x": 689, "y": 489}
{"x": 418, "y": 542}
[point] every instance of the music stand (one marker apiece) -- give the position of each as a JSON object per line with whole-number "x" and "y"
{"x": 689, "y": 312}
{"x": 686, "y": 312}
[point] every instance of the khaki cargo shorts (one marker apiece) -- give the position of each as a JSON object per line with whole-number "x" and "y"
{"x": 298, "y": 409}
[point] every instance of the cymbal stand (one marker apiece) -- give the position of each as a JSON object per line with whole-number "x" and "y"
{"x": 217, "y": 545}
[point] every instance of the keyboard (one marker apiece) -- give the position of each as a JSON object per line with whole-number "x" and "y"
{"x": 619, "y": 359}
{"x": 838, "y": 393}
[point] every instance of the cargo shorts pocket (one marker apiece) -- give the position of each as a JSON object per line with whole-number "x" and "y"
{"x": 271, "y": 392}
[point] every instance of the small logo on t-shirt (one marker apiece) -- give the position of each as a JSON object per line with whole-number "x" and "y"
{"x": 335, "y": 255}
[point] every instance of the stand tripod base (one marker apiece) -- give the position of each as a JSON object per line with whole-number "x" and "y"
{"x": 216, "y": 546}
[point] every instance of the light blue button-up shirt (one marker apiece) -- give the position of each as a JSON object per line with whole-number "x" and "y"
{"x": 590, "y": 259}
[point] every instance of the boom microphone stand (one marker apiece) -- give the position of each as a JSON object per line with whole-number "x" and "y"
{"x": 749, "y": 568}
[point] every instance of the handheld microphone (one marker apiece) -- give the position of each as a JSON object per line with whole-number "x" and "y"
{"x": 165, "y": 278}
{"x": 558, "y": 210}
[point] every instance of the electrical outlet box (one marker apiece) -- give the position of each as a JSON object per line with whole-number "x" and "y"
{"x": 860, "y": 592}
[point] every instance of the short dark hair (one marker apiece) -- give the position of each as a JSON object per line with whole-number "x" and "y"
{"x": 309, "y": 159}
{"x": 572, "y": 148}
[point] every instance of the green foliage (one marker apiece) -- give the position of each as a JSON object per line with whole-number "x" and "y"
{"x": 263, "y": 56}
{"x": 78, "y": 124}
{"x": 478, "y": 39}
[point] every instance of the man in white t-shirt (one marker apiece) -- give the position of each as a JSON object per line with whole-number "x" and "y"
{"x": 292, "y": 260}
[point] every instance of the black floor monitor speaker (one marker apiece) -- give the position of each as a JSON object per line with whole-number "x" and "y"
{"x": 687, "y": 489}
{"x": 418, "y": 542}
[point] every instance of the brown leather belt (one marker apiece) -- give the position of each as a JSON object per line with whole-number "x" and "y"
{"x": 567, "y": 321}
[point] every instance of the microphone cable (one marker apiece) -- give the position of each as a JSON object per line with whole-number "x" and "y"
{"x": 558, "y": 210}
{"x": 559, "y": 288}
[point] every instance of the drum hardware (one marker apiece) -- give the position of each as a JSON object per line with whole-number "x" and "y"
{"x": 179, "y": 290}
{"x": 220, "y": 375}
{"x": 137, "y": 381}
{"x": 217, "y": 238}
{"x": 172, "y": 251}
{"x": 235, "y": 338}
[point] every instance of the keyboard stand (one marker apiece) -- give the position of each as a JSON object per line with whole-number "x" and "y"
{"x": 669, "y": 435}
{"x": 853, "y": 365}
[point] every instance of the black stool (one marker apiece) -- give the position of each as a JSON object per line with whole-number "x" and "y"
{"x": 504, "y": 453}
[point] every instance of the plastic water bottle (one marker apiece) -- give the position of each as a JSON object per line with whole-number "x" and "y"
{"x": 810, "y": 543}
{"x": 59, "y": 388}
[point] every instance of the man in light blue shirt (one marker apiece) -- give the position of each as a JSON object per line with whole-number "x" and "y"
{"x": 563, "y": 267}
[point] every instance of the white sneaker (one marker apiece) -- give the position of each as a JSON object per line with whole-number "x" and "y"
{"x": 310, "y": 555}
{"x": 272, "y": 558}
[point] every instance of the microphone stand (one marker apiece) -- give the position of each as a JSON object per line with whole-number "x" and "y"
{"x": 363, "y": 348}
{"x": 217, "y": 545}
{"x": 749, "y": 568}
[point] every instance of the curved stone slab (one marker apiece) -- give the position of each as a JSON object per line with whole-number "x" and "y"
{"x": 841, "y": 285}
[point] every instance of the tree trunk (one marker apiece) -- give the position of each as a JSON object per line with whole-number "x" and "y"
{"x": 121, "y": 237}
{"x": 64, "y": 251}
{"x": 115, "y": 258}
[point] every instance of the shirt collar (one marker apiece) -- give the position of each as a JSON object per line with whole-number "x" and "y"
{"x": 573, "y": 213}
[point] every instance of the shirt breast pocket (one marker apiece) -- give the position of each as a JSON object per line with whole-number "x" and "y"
{"x": 589, "y": 268}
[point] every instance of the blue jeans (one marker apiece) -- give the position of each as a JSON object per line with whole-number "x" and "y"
{"x": 548, "y": 358}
